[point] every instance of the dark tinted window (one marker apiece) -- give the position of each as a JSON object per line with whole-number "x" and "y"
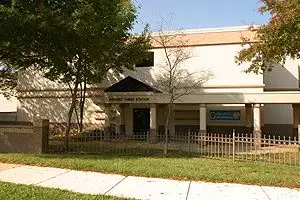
{"x": 148, "y": 61}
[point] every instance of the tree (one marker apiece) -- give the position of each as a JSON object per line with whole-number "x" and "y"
{"x": 8, "y": 81}
{"x": 174, "y": 78}
{"x": 276, "y": 40}
{"x": 5, "y": 2}
{"x": 73, "y": 42}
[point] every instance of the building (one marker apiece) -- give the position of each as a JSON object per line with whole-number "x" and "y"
{"x": 131, "y": 102}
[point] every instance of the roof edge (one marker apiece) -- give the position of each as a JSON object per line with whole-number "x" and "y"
{"x": 207, "y": 30}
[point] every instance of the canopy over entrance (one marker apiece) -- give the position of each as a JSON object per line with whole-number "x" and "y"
{"x": 130, "y": 84}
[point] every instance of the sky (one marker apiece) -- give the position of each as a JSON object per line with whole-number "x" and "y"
{"x": 195, "y": 14}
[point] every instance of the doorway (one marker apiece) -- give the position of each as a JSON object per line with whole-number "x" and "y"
{"x": 141, "y": 121}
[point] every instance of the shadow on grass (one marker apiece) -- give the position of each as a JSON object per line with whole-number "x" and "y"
{"x": 113, "y": 153}
{"x": 108, "y": 156}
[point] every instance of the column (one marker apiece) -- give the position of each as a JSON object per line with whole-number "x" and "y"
{"x": 203, "y": 118}
{"x": 202, "y": 128}
{"x": 120, "y": 123}
{"x": 107, "y": 110}
{"x": 172, "y": 122}
{"x": 299, "y": 136}
{"x": 248, "y": 110}
{"x": 41, "y": 128}
{"x": 160, "y": 114}
{"x": 262, "y": 116}
{"x": 128, "y": 120}
{"x": 153, "y": 134}
{"x": 257, "y": 125}
{"x": 296, "y": 118}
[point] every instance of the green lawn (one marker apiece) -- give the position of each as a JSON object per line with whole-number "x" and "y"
{"x": 11, "y": 191}
{"x": 169, "y": 167}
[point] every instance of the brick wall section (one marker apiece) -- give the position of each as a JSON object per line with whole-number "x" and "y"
{"x": 25, "y": 138}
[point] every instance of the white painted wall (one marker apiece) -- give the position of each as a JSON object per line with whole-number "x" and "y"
{"x": 286, "y": 77}
{"x": 219, "y": 59}
{"x": 281, "y": 77}
{"x": 8, "y": 108}
{"x": 8, "y": 105}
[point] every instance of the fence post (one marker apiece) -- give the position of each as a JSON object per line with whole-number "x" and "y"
{"x": 299, "y": 136}
{"x": 233, "y": 145}
{"x": 203, "y": 134}
{"x": 189, "y": 142}
{"x": 41, "y": 127}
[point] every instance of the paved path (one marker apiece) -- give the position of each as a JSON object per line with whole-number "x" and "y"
{"x": 138, "y": 187}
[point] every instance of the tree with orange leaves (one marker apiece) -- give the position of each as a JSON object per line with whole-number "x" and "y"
{"x": 276, "y": 40}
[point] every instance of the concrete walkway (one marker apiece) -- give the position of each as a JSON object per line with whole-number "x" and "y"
{"x": 138, "y": 187}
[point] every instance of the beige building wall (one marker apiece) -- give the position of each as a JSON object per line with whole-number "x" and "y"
{"x": 8, "y": 105}
{"x": 38, "y": 95}
{"x": 8, "y": 108}
{"x": 55, "y": 109}
{"x": 217, "y": 59}
{"x": 220, "y": 60}
{"x": 40, "y": 98}
{"x": 212, "y": 50}
{"x": 281, "y": 78}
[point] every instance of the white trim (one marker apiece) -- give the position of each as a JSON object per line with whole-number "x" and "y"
{"x": 207, "y": 30}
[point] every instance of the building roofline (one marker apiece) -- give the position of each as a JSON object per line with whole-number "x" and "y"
{"x": 200, "y": 37}
{"x": 207, "y": 30}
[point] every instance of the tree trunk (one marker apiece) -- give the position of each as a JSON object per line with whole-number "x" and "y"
{"x": 77, "y": 116}
{"x": 82, "y": 102}
{"x": 166, "y": 128}
{"x": 79, "y": 109}
{"x": 70, "y": 113}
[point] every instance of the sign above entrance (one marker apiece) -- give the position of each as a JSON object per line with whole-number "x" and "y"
{"x": 224, "y": 114}
{"x": 129, "y": 99}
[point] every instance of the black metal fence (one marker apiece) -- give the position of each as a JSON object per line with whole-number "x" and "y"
{"x": 278, "y": 150}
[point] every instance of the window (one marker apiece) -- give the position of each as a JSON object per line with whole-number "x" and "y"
{"x": 148, "y": 61}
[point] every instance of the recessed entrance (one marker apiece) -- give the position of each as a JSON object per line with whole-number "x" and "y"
{"x": 141, "y": 120}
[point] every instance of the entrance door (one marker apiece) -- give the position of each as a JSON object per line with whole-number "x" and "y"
{"x": 141, "y": 120}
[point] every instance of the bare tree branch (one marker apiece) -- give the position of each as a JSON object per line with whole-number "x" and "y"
{"x": 174, "y": 78}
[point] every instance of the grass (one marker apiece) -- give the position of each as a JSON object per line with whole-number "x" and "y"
{"x": 11, "y": 191}
{"x": 179, "y": 168}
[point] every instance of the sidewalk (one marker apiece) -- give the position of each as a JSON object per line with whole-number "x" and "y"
{"x": 138, "y": 187}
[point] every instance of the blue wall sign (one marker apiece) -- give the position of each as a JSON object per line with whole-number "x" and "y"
{"x": 224, "y": 114}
